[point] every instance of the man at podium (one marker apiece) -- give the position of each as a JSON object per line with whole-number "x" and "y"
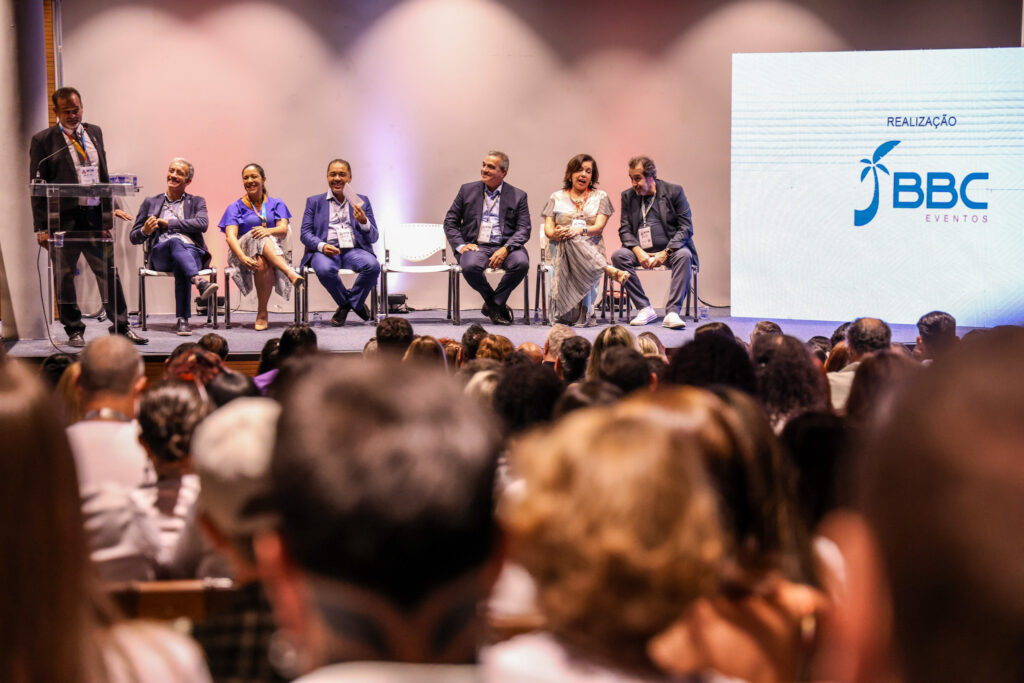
{"x": 73, "y": 152}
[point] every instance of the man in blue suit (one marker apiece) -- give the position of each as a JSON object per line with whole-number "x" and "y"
{"x": 488, "y": 226}
{"x": 173, "y": 223}
{"x": 339, "y": 233}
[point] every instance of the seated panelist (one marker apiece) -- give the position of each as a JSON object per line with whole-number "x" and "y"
{"x": 488, "y": 226}
{"x": 173, "y": 223}
{"x": 338, "y": 231}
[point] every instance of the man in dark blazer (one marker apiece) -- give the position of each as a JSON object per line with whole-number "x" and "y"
{"x": 655, "y": 230}
{"x": 488, "y": 226}
{"x": 172, "y": 224}
{"x": 73, "y": 152}
{"x": 339, "y": 234}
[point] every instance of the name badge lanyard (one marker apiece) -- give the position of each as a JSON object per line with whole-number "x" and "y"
{"x": 488, "y": 209}
{"x": 262, "y": 213}
{"x": 343, "y": 232}
{"x": 170, "y": 207}
{"x": 79, "y": 145}
{"x": 645, "y": 209}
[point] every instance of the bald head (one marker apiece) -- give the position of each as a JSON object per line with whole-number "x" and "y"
{"x": 110, "y": 365}
{"x": 867, "y": 335}
{"x": 533, "y": 351}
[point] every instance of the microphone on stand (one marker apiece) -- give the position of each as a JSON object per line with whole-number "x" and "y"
{"x": 38, "y": 179}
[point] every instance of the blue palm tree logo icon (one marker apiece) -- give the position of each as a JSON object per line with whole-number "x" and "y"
{"x": 865, "y": 216}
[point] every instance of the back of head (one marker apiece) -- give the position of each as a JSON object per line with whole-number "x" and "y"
{"x": 586, "y": 393}
{"x": 228, "y": 386}
{"x": 764, "y": 327}
{"x": 168, "y": 415}
{"x": 878, "y": 376}
{"x": 625, "y": 368}
{"x": 533, "y": 351}
{"x": 394, "y": 334}
{"x": 495, "y": 346}
{"x": 296, "y": 340}
{"x": 839, "y": 334}
{"x": 616, "y": 335}
{"x": 620, "y": 534}
{"x": 426, "y": 349}
{"x": 471, "y": 339}
{"x": 718, "y": 328}
{"x": 268, "y": 356}
{"x": 943, "y": 490}
{"x": 573, "y": 357}
{"x": 816, "y": 442}
{"x": 110, "y": 365}
{"x": 556, "y": 336}
{"x": 526, "y": 395}
{"x": 788, "y": 381}
{"x": 710, "y": 360}
{"x": 231, "y": 454}
{"x": 866, "y": 335}
{"x": 211, "y": 341}
{"x": 384, "y": 475}
{"x": 938, "y": 332}
{"x": 45, "y": 596}
{"x": 53, "y": 367}
{"x": 648, "y": 344}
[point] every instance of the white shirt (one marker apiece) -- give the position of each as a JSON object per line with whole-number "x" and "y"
{"x": 107, "y": 451}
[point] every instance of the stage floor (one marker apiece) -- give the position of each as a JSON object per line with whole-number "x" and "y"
{"x": 243, "y": 340}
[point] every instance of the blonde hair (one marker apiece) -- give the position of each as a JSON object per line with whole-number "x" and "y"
{"x": 620, "y": 535}
{"x": 616, "y": 335}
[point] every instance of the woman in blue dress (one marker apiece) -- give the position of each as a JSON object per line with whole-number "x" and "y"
{"x": 256, "y": 228}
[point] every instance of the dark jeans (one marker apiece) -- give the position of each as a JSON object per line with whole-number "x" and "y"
{"x": 184, "y": 260}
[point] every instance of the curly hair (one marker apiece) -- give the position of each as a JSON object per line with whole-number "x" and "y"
{"x": 621, "y": 535}
{"x": 168, "y": 414}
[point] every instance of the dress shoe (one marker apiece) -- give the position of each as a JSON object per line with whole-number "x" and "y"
{"x": 206, "y": 289}
{"x": 182, "y": 328}
{"x": 501, "y": 315}
{"x": 338, "y": 319}
{"x": 485, "y": 310}
{"x": 132, "y": 336}
{"x": 76, "y": 339}
{"x": 363, "y": 312}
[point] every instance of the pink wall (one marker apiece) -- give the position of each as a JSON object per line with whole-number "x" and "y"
{"x": 413, "y": 93}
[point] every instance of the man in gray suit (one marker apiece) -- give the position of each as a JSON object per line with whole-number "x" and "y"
{"x": 655, "y": 230}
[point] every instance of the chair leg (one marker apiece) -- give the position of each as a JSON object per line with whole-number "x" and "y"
{"x": 451, "y": 296}
{"x": 542, "y": 294}
{"x": 216, "y": 313}
{"x": 526, "y": 300}
{"x": 142, "y": 302}
{"x": 384, "y": 291}
{"x": 457, "y": 311}
{"x": 227, "y": 300}
{"x": 696, "y": 299}
{"x": 373, "y": 303}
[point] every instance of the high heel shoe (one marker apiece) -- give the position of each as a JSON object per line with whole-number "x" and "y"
{"x": 260, "y": 325}
{"x": 619, "y": 276}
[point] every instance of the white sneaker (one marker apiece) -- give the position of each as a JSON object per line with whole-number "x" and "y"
{"x": 673, "y": 321}
{"x": 644, "y": 316}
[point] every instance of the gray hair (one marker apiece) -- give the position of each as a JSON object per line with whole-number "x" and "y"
{"x": 188, "y": 164}
{"x": 503, "y": 156}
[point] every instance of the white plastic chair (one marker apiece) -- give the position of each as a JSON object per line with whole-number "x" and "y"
{"x": 144, "y": 272}
{"x": 309, "y": 274}
{"x": 415, "y": 242}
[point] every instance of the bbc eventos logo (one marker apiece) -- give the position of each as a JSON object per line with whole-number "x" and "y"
{"x": 937, "y": 190}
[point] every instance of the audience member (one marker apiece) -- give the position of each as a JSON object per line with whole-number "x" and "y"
{"x": 553, "y": 342}
{"x": 716, "y": 327}
{"x": 816, "y": 443}
{"x": 819, "y": 347}
{"x": 712, "y": 359}
{"x": 228, "y": 385}
{"x": 788, "y": 381}
{"x": 474, "y": 367}
{"x": 168, "y": 415}
{"x": 53, "y": 366}
{"x": 763, "y": 327}
{"x": 864, "y": 336}
{"x": 211, "y": 341}
{"x": 495, "y": 346}
{"x": 658, "y": 367}
{"x": 616, "y": 335}
{"x": 583, "y": 394}
{"x": 839, "y": 334}
{"x": 194, "y": 364}
{"x": 452, "y": 349}
{"x": 877, "y": 378}
{"x": 387, "y": 539}
{"x": 394, "y": 334}
{"x": 626, "y": 368}
{"x": 837, "y": 359}
{"x": 370, "y": 347}
{"x": 268, "y": 356}
{"x": 58, "y": 625}
{"x": 573, "y": 356}
{"x": 648, "y": 344}
{"x": 231, "y": 454}
{"x": 533, "y": 352}
{"x": 622, "y": 535}
{"x": 525, "y": 396}
{"x": 105, "y": 442}
{"x": 425, "y": 349}
{"x": 934, "y": 550}
{"x": 471, "y": 339}
{"x": 68, "y": 395}
{"x": 296, "y": 341}
{"x": 936, "y": 334}
{"x": 482, "y": 384}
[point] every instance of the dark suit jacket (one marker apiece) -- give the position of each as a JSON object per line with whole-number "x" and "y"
{"x": 462, "y": 222}
{"x": 59, "y": 168}
{"x": 671, "y": 205}
{"x": 193, "y": 222}
{"x": 316, "y": 220}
